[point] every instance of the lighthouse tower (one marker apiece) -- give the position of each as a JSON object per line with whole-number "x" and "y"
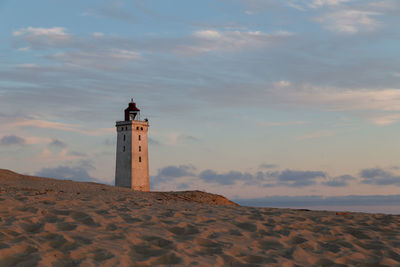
{"x": 132, "y": 164}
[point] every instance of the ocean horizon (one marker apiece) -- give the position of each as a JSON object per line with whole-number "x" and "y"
{"x": 387, "y": 204}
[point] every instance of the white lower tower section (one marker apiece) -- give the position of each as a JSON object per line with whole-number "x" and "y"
{"x": 132, "y": 163}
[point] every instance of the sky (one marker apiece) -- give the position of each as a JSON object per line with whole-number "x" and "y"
{"x": 245, "y": 98}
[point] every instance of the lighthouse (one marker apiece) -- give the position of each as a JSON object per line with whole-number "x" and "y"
{"x": 132, "y": 160}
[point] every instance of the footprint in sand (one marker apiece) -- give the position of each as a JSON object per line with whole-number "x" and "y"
{"x": 359, "y": 234}
{"x": 102, "y": 212}
{"x": 144, "y": 251}
{"x": 168, "y": 259}
{"x": 247, "y": 226}
{"x": 31, "y": 227}
{"x": 235, "y": 232}
{"x": 66, "y": 262}
{"x": 155, "y": 246}
{"x": 66, "y": 226}
{"x": 129, "y": 219}
{"x": 184, "y": 231}
{"x": 59, "y": 212}
{"x": 24, "y": 256}
{"x": 332, "y": 247}
{"x": 208, "y": 247}
{"x": 100, "y": 255}
{"x": 58, "y": 242}
{"x": 296, "y": 240}
{"x": 49, "y": 218}
{"x": 111, "y": 227}
{"x": 82, "y": 240}
{"x": 270, "y": 245}
{"x": 48, "y": 202}
{"x": 255, "y": 259}
{"x": 3, "y": 245}
{"x": 84, "y": 218}
{"x": 28, "y": 209}
{"x": 158, "y": 241}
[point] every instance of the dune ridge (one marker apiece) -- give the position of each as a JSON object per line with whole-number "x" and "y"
{"x": 49, "y": 222}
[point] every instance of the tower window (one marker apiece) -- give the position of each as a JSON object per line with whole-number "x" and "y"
{"x": 140, "y": 159}
{"x": 141, "y": 128}
{"x": 140, "y": 137}
{"x": 124, "y": 137}
{"x": 123, "y": 149}
{"x": 140, "y": 148}
{"x": 137, "y": 128}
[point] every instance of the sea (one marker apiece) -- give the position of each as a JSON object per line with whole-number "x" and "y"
{"x": 386, "y": 204}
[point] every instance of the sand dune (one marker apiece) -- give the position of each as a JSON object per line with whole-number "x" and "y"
{"x": 48, "y": 222}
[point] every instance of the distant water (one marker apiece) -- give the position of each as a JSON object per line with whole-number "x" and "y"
{"x": 370, "y": 204}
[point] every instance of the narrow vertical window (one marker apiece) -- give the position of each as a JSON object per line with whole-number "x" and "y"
{"x": 123, "y": 149}
{"x": 139, "y": 137}
{"x": 141, "y": 128}
{"x": 124, "y": 137}
{"x": 140, "y": 148}
{"x": 140, "y": 159}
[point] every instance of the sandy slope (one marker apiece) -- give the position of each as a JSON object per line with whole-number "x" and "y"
{"x": 49, "y": 222}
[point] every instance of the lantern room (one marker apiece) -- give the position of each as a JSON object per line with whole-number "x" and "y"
{"x": 132, "y": 112}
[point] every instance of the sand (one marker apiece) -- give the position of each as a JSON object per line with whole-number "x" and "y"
{"x": 48, "y": 222}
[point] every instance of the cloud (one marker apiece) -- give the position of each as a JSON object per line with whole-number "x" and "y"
{"x": 27, "y": 66}
{"x": 384, "y": 119}
{"x": 290, "y": 178}
{"x": 9, "y": 140}
{"x": 350, "y": 21}
{"x": 110, "y": 142}
{"x": 204, "y": 41}
{"x": 267, "y": 166}
{"x": 282, "y": 123}
{"x": 77, "y": 154}
{"x": 379, "y": 176}
{"x": 228, "y": 178}
{"x": 169, "y": 173}
{"x": 77, "y": 51}
{"x": 182, "y": 186}
{"x": 389, "y": 7}
{"x": 321, "y": 3}
{"x": 44, "y": 37}
{"x": 113, "y": 10}
{"x": 304, "y": 5}
{"x": 55, "y": 143}
{"x": 378, "y": 101}
{"x": 187, "y": 138}
{"x": 153, "y": 141}
{"x": 76, "y": 172}
{"x": 97, "y": 59}
{"x": 98, "y": 34}
{"x": 33, "y": 140}
{"x": 176, "y": 171}
{"x": 175, "y": 138}
{"x": 55, "y": 32}
{"x": 25, "y": 121}
{"x": 317, "y": 134}
{"x": 282, "y": 84}
{"x": 294, "y": 178}
{"x": 339, "y": 181}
